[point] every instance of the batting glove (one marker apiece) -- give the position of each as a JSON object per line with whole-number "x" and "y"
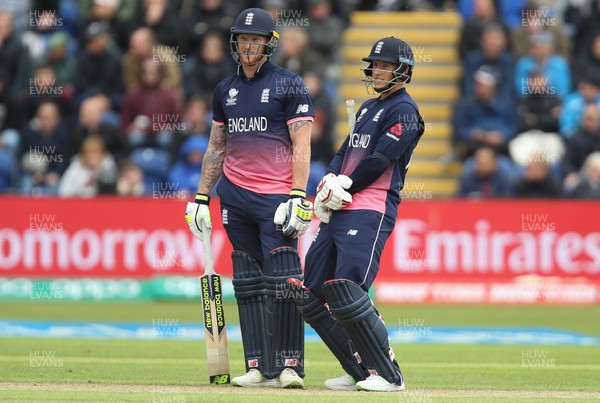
{"x": 196, "y": 213}
{"x": 331, "y": 191}
{"x": 294, "y": 216}
{"x": 323, "y": 213}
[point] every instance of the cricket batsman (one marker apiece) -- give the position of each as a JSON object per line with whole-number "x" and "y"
{"x": 260, "y": 142}
{"x": 357, "y": 203}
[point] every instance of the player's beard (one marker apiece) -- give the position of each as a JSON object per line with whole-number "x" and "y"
{"x": 250, "y": 57}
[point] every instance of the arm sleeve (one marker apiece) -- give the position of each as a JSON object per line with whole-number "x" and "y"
{"x": 370, "y": 168}
{"x": 218, "y": 116}
{"x": 298, "y": 105}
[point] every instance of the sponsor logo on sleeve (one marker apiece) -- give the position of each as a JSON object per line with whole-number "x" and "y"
{"x": 302, "y": 108}
{"x": 395, "y": 132}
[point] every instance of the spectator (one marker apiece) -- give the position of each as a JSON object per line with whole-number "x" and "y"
{"x": 58, "y": 57}
{"x": 539, "y": 18}
{"x": 98, "y": 65}
{"x": 588, "y": 92}
{"x": 537, "y": 181}
{"x": 91, "y": 123}
{"x": 539, "y": 107}
{"x": 486, "y": 175}
{"x": 589, "y": 59}
{"x": 150, "y": 111}
{"x": 509, "y": 11}
{"x": 10, "y": 117}
{"x": 483, "y": 118}
{"x": 582, "y": 144}
{"x": 142, "y": 46}
{"x": 587, "y": 27}
{"x": 589, "y": 183}
{"x": 196, "y": 121}
{"x": 542, "y": 58}
{"x": 91, "y": 172}
{"x": 116, "y": 13}
{"x": 45, "y": 87}
{"x": 325, "y": 30}
{"x": 185, "y": 173}
{"x": 322, "y": 135}
{"x": 161, "y": 19}
{"x": 43, "y": 23}
{"x": 208, "y": 16}
{"x": 131, "y": 180}
{"x": 14, "y": 57}
{"x": 209, "y": 67}
{"x": 20, "y": 14}
{"x": 493, "y": 53}
{"x": 470, "y": 36}
{"x": 44, "y": 151}
{"x": 295, "y": 54}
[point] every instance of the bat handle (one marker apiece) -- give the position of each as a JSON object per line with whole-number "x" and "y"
{"x": 208, "y": 258}
{"x": 351, "y": 114}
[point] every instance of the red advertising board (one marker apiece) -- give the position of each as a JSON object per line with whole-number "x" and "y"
{"x": 446, "y": 250}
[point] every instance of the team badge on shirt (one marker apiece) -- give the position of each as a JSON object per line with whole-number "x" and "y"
{"x": 264, "y": 97}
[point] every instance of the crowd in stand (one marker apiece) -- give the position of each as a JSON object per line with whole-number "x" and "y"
{"x": 114, "y": 96}
{"x": 527, "y": 123}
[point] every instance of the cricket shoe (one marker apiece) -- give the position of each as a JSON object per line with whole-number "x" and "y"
{"x": 344, "y": 382}
{"x": 253, "y": 379}
{"x": 289, "y": 379}
{"x": 376, "y": 383}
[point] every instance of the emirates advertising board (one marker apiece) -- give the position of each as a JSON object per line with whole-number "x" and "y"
{"x": 446, "y": 251}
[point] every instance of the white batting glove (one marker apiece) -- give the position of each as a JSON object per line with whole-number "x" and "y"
{"x": 294, "y": 216}
{"x": 331, "y": 191}
{"x": 196, "y": 213}
{"x": 323, "y": 213}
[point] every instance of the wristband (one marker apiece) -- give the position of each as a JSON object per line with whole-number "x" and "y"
{"x": 202, "y": 199}
{"x": 297, "y": 193}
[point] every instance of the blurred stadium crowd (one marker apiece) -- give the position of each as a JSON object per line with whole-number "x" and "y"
{"x": 114, "y": 96}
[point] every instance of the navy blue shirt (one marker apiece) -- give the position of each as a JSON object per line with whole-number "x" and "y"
{"x": 256, "y": 113}
{"x": 391, "y": 127}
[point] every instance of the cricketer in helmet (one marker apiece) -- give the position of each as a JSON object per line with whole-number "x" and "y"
{"x": 357, "y": 202}
{"x": 391, "y": 62}
{"x": 253, "y": 37}
{"x": 258, "y": 159}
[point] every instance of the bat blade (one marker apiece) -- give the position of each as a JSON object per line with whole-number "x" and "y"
{"x": 215, "y": 331}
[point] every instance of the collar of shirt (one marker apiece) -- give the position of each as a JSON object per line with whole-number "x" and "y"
{"x": 263, "y": 70}
{"x": 393, "y": 95}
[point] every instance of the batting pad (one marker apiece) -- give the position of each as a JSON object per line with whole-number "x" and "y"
{"x": 249, "y": 289}
{"x": 353, "y": 309}
{"x": 333, "y": 335}
{"x": 284, "y": 322}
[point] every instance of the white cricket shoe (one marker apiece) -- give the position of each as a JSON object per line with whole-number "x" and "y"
{"x": 377, "y": 383}
{"x": 289, "y": 379}
{"x": 344, "y": 382}
{"x": 253, "y": 379}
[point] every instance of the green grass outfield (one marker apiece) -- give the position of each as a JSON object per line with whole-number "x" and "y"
{"x": 175, "y": 371}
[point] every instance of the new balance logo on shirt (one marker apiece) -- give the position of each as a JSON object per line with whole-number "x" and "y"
{"x": 302, "y": 108}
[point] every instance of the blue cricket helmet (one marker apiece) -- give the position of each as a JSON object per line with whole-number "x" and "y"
{"x": 254, "y": 21}
{"x": 392, "y": 50}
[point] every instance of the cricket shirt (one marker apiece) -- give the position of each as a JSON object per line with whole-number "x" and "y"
{"x": 256, "y": 113}
{"x": 392, "y": 127}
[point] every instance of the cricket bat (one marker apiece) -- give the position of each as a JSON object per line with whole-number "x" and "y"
{"x": 351, "y": 114}
{"x": 215, "y": 333}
